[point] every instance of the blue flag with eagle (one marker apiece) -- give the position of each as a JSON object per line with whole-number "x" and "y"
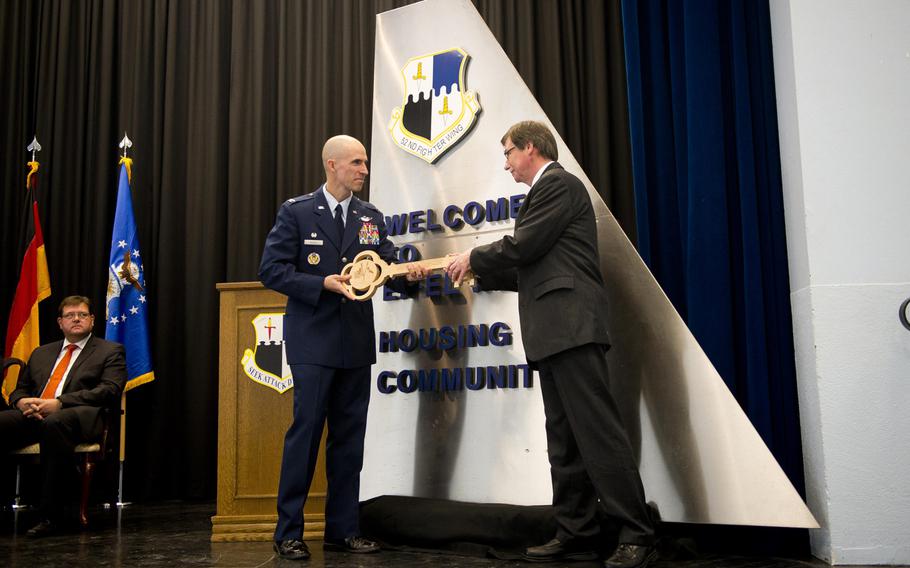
{"x": 127, "y": 301}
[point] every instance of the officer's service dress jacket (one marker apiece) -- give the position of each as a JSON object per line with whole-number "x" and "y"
{"x": 323, "y": 327}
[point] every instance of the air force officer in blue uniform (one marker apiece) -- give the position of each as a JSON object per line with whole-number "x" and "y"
{"x": 329, "y": 341}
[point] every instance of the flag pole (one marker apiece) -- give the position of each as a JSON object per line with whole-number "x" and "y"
{"x": 120, "y": 502}
{"x": 125, "y": 145}
{"x": 22, "y": 333}
{"x": 34, "y": 147}
{"x": 126, "y": 318}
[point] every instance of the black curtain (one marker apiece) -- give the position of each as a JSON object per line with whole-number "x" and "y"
{"x": 228, "y": 104}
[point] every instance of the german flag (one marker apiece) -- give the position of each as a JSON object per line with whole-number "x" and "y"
{"x": 34, "y": 285}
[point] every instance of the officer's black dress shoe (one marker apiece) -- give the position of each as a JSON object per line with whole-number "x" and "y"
{"x": 355, "y": 544}
{"x": 557, "y": 550}
{"x": 292, "y": 549}
{"x": 631, "y": 556}
{"x": 44, "y": 528}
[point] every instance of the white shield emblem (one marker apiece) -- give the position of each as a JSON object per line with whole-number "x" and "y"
{"x": 437, "y": 110}
{"x": 266, "y": 363}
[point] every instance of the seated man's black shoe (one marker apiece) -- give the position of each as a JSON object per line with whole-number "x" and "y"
{"x": 631, "y": 556}
{"x": 44, "y": 528}
{"x": 557, "y": 550}
{"x": 292, "y": 549}
{"x": 354, "y": 544}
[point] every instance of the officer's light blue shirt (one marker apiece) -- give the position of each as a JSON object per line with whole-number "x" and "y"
{"x": 333, "y": 202}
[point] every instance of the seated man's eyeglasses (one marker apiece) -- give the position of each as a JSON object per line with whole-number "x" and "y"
{"x": 74, "y": 315}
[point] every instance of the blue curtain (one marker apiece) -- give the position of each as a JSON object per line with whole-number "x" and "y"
{"x": 709, "y": 206}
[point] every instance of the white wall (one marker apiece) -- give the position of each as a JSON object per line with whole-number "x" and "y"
{"x": 842, "y": 70}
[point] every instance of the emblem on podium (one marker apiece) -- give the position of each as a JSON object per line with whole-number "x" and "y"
{"x": 266, "y": 363}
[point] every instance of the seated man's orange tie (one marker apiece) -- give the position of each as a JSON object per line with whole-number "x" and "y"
{"x": 51, "y": 388}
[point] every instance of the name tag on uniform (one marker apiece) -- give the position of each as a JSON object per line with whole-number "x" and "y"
{"x": 316, "y": 242}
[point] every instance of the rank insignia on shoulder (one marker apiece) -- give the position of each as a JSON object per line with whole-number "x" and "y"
{"x": 313, "y": 258}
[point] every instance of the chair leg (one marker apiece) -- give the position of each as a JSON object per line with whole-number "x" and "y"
{"x": 18, "y": 484}
{"x": 88, "y": 468}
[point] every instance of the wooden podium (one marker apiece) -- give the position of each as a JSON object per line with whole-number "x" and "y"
{"x": 252, "y": 421}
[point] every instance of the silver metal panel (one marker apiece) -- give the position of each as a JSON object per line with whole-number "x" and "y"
{"x": 701, "y": 459}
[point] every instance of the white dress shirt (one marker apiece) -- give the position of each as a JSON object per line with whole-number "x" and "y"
{"x": 333, "y": 202}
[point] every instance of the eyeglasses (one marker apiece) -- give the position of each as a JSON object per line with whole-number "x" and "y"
{"x": 74, "y": 315}
{"x": 509, "y": 151}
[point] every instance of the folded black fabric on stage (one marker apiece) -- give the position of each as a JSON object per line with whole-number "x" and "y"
{"x": 504, "y": 531}
{"x": 470, "y": 529}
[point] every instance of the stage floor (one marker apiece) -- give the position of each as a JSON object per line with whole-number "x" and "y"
{"x": 177, "y": 534}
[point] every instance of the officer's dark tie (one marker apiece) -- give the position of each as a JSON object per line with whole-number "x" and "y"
{"x": 339, "y": 221}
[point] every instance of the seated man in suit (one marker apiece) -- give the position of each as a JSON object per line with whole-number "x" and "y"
{"x": 58, "y": 402}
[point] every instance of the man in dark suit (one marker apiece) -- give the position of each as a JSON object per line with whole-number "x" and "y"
{"x": 330, "y": 345}
{"x": 58, "y": 402}
{"x": 552, "y": 261}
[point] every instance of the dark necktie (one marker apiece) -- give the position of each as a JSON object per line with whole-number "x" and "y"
{"x": 339, "y": 221}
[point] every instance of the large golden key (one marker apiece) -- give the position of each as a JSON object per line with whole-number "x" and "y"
{"x": 369, "y": 272}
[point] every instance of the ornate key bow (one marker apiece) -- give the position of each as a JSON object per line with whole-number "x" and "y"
{"x": 369, "y": 272}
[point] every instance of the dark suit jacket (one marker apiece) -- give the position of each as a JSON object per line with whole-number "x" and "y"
{"x": 95, "y": 381}
{"x": 322, "y": 327}
{"x": 553, "y": 262}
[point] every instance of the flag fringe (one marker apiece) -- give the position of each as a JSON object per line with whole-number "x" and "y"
{"x": 138, "y": 381}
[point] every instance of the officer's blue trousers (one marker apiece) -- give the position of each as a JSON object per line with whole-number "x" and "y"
{"x": 341, "y": 397}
